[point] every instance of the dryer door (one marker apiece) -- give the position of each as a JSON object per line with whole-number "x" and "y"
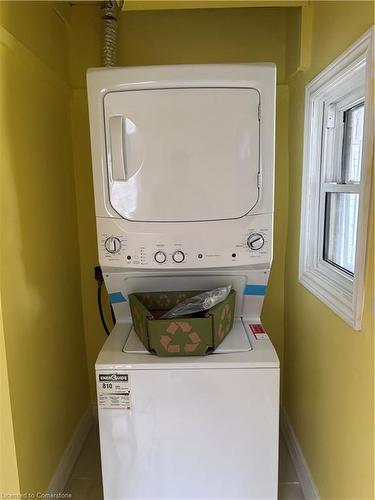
{"x": 184, "y": 154}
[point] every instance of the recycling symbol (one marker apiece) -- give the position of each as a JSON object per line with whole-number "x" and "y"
{"x": 225, "y": 322}
{"x": 164, "y": 301}
{"x": 148, "y": 301}
{"x": 180, "y": 298}
{"x": 192, "y": 338}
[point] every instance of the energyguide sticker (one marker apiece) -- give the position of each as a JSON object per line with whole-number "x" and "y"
{"x": 258, "y": 331}
{"x": 113, "y": 391}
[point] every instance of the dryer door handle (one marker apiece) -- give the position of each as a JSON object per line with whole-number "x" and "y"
{"x": 117, "y": 139}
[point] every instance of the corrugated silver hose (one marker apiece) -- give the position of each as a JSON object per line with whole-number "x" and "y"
{"x": 109, "y": 15}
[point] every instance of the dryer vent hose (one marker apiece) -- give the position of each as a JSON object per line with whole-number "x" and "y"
{"x": 109, "y": 14}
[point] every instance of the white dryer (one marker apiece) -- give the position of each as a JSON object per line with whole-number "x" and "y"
{"x": 183, "y": 161}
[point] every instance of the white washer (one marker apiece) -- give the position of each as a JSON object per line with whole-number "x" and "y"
{"x": 193, "y": 427}
{"x": 183, "y": 161}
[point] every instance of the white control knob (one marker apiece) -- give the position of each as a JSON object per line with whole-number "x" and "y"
{"x": 178, "y": 256}
{"x": 160, "y": 257}
{"x": 255, "y": 241}
{"x": 112, "y": 244}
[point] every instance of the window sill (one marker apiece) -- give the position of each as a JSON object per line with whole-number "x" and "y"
{"x": 336, "y": 297}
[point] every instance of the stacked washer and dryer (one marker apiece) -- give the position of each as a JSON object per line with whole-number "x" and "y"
{"x": 183, "y": 161}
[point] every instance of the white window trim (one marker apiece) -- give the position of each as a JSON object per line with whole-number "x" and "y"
{"x": 344, "y": 295}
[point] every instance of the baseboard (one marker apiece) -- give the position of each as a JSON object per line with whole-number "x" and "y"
{"x": 309, "y": 489}
{"x": 71, "y": 453}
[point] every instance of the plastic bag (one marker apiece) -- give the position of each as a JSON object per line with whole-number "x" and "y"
{"x": 198, "y": 303}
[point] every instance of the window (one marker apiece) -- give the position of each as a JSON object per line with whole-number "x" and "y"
{"x": 341, "y": 183}
{"x": 338, "y": 146}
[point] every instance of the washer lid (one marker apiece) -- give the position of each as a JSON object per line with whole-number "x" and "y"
{"x": 183, "y": 154}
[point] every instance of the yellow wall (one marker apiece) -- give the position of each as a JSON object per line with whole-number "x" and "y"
{"x": 204, "y": 36}
{"x": 9, "y": 482}
{"x": 328, "y": 383}
{"x": 175, "y": 37}
{"x": 40, "y": 275}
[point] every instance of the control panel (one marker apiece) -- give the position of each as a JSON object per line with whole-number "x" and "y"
{"x": 224, "y": 244}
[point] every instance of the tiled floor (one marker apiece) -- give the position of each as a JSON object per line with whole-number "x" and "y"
{"x": 85, "y": 481}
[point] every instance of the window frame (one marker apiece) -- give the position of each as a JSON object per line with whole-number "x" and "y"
{"x": 344, "y": 82}
{"x": 333, "y": 139}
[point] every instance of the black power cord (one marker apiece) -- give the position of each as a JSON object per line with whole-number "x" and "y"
{"x": 100, "y": 281}
{"x": 101, "y": 309}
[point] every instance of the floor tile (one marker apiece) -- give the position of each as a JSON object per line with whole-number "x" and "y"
{"x": 85, "y": 482}
{"x": 96, "y": 490}
{"x": 79, "y": 487}
{"x": 287, "y": 472}
{"x": 88, "y": 463}
{"x": 290, "y": 491}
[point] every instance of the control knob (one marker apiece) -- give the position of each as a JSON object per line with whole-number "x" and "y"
{"x": 112, "y": 244}
{"x": 178, "y": 256}
{"x": 160, "y": 257}
{"x": 255, "y": 241}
